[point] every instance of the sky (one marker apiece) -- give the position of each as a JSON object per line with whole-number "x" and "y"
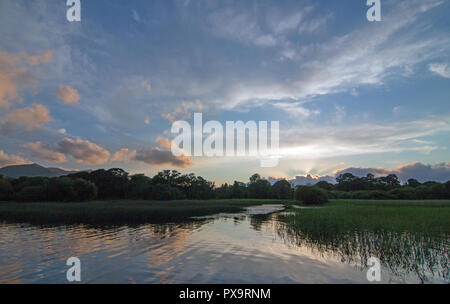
{"x": 348, "y": 93}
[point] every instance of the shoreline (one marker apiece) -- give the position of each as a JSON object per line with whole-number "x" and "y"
{"x": 122, "y": 212}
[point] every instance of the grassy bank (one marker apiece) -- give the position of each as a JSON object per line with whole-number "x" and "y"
{"x": 429, "y": 217}
{"x": 120, "y": 212}
{"x": 409, "y": 237}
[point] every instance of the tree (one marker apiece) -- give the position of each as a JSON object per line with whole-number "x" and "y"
{"x": 259, "y": 188}
{"x": 140, "y": 187}
{"x": 60, "y": 189}
{"x": 199, "y": 188}
{"x": 282, "y": 190}
{"x": 325, "y": 185}
{"x": 6, "y": 190}
{"x": 311, "y": 195}
{"x": 31, "y": 194}
{"x": 225, "y": 191}
{"x": 348, "y": 182}
{"x": 392, "y": 181}
{"x": 164, "y": 192}
{"x": 413, "y": 183}
{"x": 239, "y": 190}
{"x": 111, "y": 184}
{"x": 254, "y": 178}
{"x": 83, "y": 190}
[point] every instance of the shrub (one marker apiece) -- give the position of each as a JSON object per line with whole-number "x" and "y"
{"x": 405, "y": 193}
{"x": 311, "y": 195}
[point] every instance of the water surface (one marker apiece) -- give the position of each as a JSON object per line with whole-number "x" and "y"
{"x": 241, "y": 248}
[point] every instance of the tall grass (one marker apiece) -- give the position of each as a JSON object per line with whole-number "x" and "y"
{"x": 408, "y": 237}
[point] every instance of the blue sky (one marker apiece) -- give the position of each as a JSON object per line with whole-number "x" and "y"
{"x": 100, "y": 93}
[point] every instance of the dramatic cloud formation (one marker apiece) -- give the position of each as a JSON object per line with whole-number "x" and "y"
{"x": 45, "y": 151}
{"x": 31, "y": 117}
{"x": 340, "y": 63}
{"x": 68, "y": 95}
{"x": 419, "y": 171}
{"x": 83, "y": 151}
{"x": 441, "y": 69}
{"x": 10, "y": 160}
{"x": 331, "y": 78}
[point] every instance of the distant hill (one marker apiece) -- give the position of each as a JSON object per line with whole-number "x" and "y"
{"x": 32, "y": 170}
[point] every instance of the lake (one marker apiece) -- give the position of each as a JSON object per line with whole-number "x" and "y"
{"x": 252, "y": 247}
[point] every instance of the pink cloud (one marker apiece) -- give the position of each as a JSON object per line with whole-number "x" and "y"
{"x": 84, "y": 151}
{"x": 10, "y": 160}
{"x": 124, "y": 155}
{"x": 68, "y": 95}
{"x": 15, "y": 75}
{"x": 31, "y": 117}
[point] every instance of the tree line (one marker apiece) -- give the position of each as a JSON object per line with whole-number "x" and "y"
{"x": 385, "y": 187}
{"x": 114, "y": 184}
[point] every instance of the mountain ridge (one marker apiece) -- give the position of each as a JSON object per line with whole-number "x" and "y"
{"x": 32, "y": 170}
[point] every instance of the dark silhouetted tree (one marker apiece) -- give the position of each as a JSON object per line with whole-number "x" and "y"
{"x": 311, "y": 195}
{"x": 282, "y": 190}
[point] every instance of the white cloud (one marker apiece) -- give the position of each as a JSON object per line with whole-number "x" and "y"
{"x": 320, "y": 141}
{"x": 240, "y": 26}
{"x": 441, "y": 69}
{"x": 295, "y": 109}
{"x": 314, "y": 25}
{"x": 281, "y": 23}
{"x": 366, "y": 56}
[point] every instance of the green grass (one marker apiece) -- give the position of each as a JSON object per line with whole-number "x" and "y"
{"x": 409, "y": 237}
{"x": 429, "y": 217}
{"x": 120, "y": 212}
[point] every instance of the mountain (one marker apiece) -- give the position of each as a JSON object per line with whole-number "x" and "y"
{"x": 32, "y": 170}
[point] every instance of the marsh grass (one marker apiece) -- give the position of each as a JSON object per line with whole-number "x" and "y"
{"x": 120, "y": 212}
{"x": 407, "y": 237}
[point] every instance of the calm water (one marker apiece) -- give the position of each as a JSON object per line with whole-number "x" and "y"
{"x": 242, "y": 249}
